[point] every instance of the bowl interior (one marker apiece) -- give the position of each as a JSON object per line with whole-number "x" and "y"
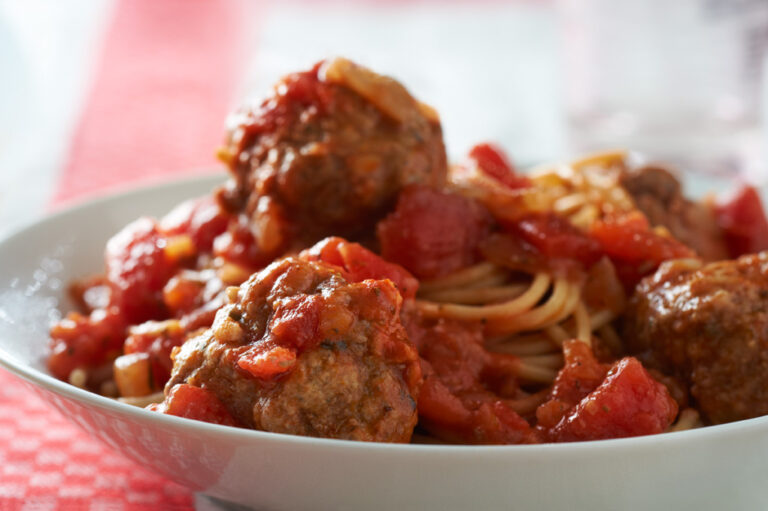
{"x": 38, "y": 262}
{"x": 721, "y": 466}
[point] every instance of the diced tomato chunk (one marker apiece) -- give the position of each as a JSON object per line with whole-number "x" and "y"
{"x": 202, "y": 219}
{"x": 492, "y": 161}
{"x": 438, "y": 404}
{"x": 629, "y": 402}
{"x": 556, "y": 238}
{"x": 463, "y": 398}
{"x": 269, "y": 364}
{"x": 137, "y": 270}
{"x": 630, "y": 239}
{"x": 502, "y": 425}
{"x": 295, "y": 321}
{"x": 362, "y": 264}
{"x": 85, "y": 342}
{"x": 635, "y": 249}
{"x": 196, "y": 403}
{"x": 358, "y": 263}
{"x": 326, "y": 251}
{"x": 509, "y": 251}
{"x": 491, "y": 421}
{"x": 433, "y": 233}
{"x": 580, "y": 375}
{"x": 743, "y": 222}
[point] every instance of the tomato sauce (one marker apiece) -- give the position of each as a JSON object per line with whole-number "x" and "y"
{"x": 593, "y": 401}
{"x": 433, "y": 233}
{"x": 743, "y": 222}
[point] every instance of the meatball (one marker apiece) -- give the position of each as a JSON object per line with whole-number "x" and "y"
{"x": 329, "y": 151}
{"x": 658, "y": 194}
{"x": 707, "y": 326}
{"x": 301, "y": 350}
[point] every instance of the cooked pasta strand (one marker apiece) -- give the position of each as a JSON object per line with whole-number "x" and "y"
{"x": 511, "y": 308}
{"x": 476, "y": 296}
{"x": 583, "y": 325}
{"x": 574, "y": 296}
{"x": 604, "y": 159}
{"x": 554, "y": 360}
{"x": 528, "y": 404}
{"x": 143, "y": 401}
{"x": 609, "y": 337}
{"x": 585, "y": 216}
{"x": 557, "y": 333}
{"x": 521, "y": 346}
{"x": 568, "y": 203}
{"x": 459, "y": 278}
{"x": 687, "y": 419}
{"x": 533, "y": 319}
{"x": 602, "y": 318}
{"x": 534, "y": 373}
{"x": 494, "y": 279}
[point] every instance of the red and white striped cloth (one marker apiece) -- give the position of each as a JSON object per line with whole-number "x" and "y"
{"x": 161, "y": 86}
{"x": 140, "y": 91}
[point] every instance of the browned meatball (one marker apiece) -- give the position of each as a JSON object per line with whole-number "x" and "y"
{"x": 658, "y": 194}
{"x": 301, "y": 350}
{"x": 707, "y": 326}
{"x": 329, "y": 151}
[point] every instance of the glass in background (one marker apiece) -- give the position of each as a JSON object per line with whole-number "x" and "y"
{"x": 679, "y": 81}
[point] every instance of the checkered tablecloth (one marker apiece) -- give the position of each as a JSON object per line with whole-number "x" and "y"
{"x": 48, "y": 463}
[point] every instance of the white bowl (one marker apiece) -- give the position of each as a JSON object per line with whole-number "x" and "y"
{"x": 721, "y": 467}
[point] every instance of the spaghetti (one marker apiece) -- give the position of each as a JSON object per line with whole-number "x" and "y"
{"x": 530, "y": 315}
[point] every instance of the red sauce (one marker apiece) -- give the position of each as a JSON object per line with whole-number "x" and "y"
{"x": 136, "y": 289}
{"x": 238, "y": 244}
{"x": 137, "y": 270}
{"x": 636, "y": 249}
{"x": 195, "y": 403}
{"x": 202, "y": 219}
{"x": 630, "y": 238}
{"x": 158, "y": 344}
{"x": 433, "y": 233}
{"x": 301, "y": 88}
{"x": 467, "y": 388}
{"x": 556, "y": 238}
{"x": 743, "y": 222}
{"x": 85, "y": 341}
{"x": 492, "y": 161}
{"x": 267, "y": 362}
{"x": 592, "y": 401}
{"x": 359, "y": 263}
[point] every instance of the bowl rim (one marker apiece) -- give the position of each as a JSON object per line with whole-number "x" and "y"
{"x": 85, "y": 398}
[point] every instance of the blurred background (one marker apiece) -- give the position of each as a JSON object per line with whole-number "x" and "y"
{"x": 96, "y": 94}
